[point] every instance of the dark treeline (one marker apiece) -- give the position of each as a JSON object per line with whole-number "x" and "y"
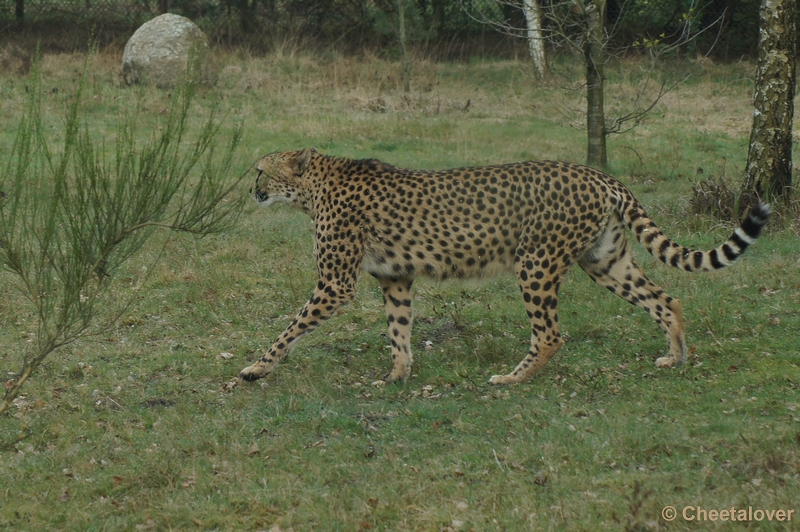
{"x": 440, "y": 29}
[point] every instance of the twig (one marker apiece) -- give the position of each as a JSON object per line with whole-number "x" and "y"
{"x": 12, "y": 446}
{"x": 497, "y": 461}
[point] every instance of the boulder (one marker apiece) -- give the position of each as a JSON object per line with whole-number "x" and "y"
{"x": 158, "y": 53}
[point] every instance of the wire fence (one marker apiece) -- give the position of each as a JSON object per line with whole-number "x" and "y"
{"x": 123, "y": 10}
{"x": 259, "y": 24}
{"x": 355, "y": 24}
{"x": 447, "y": 14}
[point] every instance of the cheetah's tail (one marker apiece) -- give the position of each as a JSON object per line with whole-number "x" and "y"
{"x": 673, "y": 254}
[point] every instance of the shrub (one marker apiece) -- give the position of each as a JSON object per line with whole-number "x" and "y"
{"x": 70, "y": 217}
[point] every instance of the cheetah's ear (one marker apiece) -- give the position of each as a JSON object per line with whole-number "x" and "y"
{"x": 300, "y": 163}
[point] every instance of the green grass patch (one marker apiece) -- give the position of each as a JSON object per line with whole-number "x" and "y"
{"x": 142, "y": 428}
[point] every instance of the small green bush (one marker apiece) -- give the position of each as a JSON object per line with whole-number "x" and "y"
{"x": 70, "y": 216}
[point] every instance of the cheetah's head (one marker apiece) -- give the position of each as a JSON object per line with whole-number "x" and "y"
{"x": 279, "y": 177}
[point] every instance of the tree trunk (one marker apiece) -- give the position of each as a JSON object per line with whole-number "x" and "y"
{"x": 401, "y": 22}
{"x": 769, "y": 160}
{"x": 533, "y": 18}
{"x": 595, "y": 58}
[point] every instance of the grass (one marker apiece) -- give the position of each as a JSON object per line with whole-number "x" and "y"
{"x": 142, "y": 427}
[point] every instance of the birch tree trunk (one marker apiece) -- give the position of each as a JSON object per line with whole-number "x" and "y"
{"x": 595, "y": 59}
{"x": 533, "y": 18}
{"x": 769, "y": 159}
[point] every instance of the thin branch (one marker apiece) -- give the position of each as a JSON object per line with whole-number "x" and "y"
{"x": 636, "y": 116}
{"x": 12, "y": 445}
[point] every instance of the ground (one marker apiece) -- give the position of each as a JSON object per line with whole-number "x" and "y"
{"x": 144, "y": 427}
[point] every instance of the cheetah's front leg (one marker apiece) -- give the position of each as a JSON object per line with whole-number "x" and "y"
{"x": 539, "y": 275}
{"x": 397, "y": 303}
{"x": 326, "y": 299}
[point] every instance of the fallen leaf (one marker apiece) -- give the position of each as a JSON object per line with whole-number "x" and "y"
{"x": 147, "y": 525}
{"x": 225, "y": 356}
{"x": 64, "y": 496}
{"x": 253, "y": 449}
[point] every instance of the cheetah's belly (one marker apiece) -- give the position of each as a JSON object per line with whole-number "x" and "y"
{"x": 439, "y": 265}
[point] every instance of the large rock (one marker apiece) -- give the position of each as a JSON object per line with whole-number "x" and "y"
{"x": 159, "y": 52}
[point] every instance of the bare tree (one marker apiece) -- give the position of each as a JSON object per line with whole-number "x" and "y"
{"x": 594, "y": 57}
{"x": 535, "y": 36}
{"x": 401, "y": 34}
{"x": 403, "y": 20}
{"x": 580, "y": 27}
{"x": 769, "y": 159}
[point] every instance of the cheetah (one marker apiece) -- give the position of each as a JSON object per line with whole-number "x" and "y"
{"x": 533, "y": 218}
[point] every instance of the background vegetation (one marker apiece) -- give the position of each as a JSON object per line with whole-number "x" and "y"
{"x": 146, "y": 427}
{"x": 450, "y": 29}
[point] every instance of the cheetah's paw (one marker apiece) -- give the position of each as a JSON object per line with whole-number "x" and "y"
{"x": 398, "y": 374}
{"x": 255, "y": 371}
{"x": 666, "y": 362}
{"x": 504, "y": 379}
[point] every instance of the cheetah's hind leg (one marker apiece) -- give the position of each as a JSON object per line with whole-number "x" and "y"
{"x": 615, "y": 268}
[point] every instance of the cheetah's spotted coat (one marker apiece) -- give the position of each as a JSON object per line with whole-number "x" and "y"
{"x": 535, "y": 218}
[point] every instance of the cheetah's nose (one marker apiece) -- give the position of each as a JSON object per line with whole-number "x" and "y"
{"x": 261, "y": 196}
